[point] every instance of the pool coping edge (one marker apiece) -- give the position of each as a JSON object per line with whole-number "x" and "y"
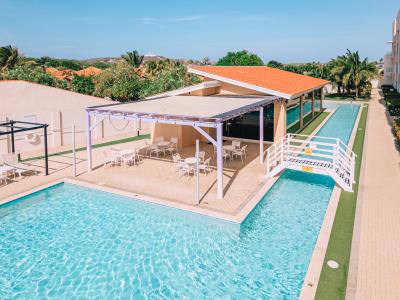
{"x": 311, "y": 280}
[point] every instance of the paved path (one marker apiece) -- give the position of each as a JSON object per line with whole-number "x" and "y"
{"x": 375, "y": 267}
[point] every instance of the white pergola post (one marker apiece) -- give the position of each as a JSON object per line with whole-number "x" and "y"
{"x": 261, "y": 135}
{"x": 88, "y": 142}
{"x": 220, "y": 174}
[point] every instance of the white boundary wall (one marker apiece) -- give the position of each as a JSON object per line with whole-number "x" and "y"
{"x": 60, "y": 109}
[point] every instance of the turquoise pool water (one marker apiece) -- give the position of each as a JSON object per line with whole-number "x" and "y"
{"x": 72, "y": 242}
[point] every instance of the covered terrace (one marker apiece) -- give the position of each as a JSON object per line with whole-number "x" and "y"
{"x": 205, "y": 114}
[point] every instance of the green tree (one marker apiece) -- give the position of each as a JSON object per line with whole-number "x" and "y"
{"x": 133, "y": 58}
{"x": 240, "y": 58}
{"x": 9, "y": 57}
{"x": 120, "y": 82}
{"x": 83, "y": 84}
{"x": 352, "y": 73}
{"x": 274, "y": 64}
{"x": 34, "y": 74}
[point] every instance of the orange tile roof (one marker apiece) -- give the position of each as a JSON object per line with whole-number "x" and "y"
{"x": 272, "y": 79}
{"x": 89, "y": 71}
{"x": 60, "y": 74}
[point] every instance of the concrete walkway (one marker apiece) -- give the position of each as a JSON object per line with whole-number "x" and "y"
{"x": 375, "y": 258}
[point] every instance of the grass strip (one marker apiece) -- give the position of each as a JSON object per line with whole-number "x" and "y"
{"x": 110, "y": 143}
{"x": 332, "y": 283}
{"x": 314, "y": 124}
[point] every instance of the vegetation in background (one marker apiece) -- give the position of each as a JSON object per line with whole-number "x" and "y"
{"x": 392, "y": 99}
{"x": 133, "y": 58}
{"x": 120, "y": 82}
{"x": 240, "y": 58}
{"x": 33, "y": 74}
{"x": 349, "y": 73}
{"x": 275, "y": 64}
{"x": 83, "y": 84}
{"x": 332, "y": 283}
{"x": 127, "y": 79}
{"x": 9, "y": 57}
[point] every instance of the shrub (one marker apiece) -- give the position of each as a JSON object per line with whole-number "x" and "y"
{"x": 34, "y": 74}
{"x": 83, "y": 84}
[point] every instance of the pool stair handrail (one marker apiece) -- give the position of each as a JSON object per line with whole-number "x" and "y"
{"x": 313, "y": 154}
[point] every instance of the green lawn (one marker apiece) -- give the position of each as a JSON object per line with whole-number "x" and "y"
{"x": 295, "y": 127}
{"x": 345, "y": 97}
{"x": 314, "y": 124}
{"x": 121, "y": 141}
{"x": 332, "y": 283}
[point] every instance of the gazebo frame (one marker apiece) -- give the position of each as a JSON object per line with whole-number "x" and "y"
{"x": 13, "y": 127}
{"x": 112, "y": 111}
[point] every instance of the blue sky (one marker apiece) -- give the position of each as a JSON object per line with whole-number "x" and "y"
{"x": 288, "y": 31}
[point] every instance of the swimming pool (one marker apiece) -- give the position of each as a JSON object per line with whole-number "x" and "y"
{"x": 69, "y": 241}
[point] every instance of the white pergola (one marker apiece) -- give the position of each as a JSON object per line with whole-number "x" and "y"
{"x": 196, "y": 111}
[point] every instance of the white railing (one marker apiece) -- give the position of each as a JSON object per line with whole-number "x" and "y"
{"x": 320, "y": 155}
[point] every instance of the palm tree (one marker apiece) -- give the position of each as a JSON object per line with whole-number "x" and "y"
{"x": 133, "y": 58}
{"x": 338, "y": 69}
{"x": 359, "y": 71}
{"x": 9, "y": 57}
{"x": 352, "y": 73}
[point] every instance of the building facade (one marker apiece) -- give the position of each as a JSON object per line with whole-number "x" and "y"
{"x": 392, "y": 60}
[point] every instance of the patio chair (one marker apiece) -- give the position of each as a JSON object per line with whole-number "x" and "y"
{"x": 157, "y": 151}
{"x": 205, "y": 166}
{"x": 240, "y": 152}
{"x": 3, "y": 177}
{"x": 158, "y": 139}
{"x": 202, "y": 155}
{"x": 236, "y": 144}
{"x": 185, "y": 168}
{"x": 178, "y": 161}
{"x": 174, "y": 146}
{"x": 149, "y": 147}
{"x": 11, "y": 159}
{"x": 225, "y": 155}
{"x": 109, "y": 159}
{"x": 129, "y": 159}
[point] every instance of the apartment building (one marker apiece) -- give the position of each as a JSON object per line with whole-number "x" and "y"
{"x": 392, "y": 59}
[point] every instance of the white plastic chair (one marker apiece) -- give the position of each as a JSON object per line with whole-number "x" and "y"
{"x": 240, "y": 152}
{"x": 3, "y": 177}
{"x": 109, "y": 159}
{"x": 174, "y": 146}
{"x": 202, "y": 155}
{"x": 11, "y": 159}
{"x": 149, "y": 147}
{"x": 205, "y": 167}
{"x": 178, "y": 161}
{"x": 236, "y": 144}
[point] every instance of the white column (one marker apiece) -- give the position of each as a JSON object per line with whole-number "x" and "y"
{"x": 261, "y": 135}
{"x": 88, "y": 142}
{"x": 220, "y": 174}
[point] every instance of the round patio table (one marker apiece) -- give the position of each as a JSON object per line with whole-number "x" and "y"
{"x": 191, "y": 160}
{"x": 229, "y": 147}
{"x": 163, "y": 144}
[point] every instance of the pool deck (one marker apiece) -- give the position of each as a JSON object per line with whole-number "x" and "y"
{"x": 375, "y": 256}
{"x": 157, "y": 181}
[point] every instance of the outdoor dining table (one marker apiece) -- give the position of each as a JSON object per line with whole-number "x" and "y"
{"x": 163, "y": 144}
{"x": 126, "y": 152}
{"x": 191, "y": 160}
{"x": 229, "y": 148}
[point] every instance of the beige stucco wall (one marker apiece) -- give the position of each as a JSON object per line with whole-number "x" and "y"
{"x": 186, "y": 135}
{"x": 279, "y": 119}
{"x": 60, "y": 109}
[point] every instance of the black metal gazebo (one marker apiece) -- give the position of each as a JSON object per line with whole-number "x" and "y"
{"x": 12, "y": 127}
